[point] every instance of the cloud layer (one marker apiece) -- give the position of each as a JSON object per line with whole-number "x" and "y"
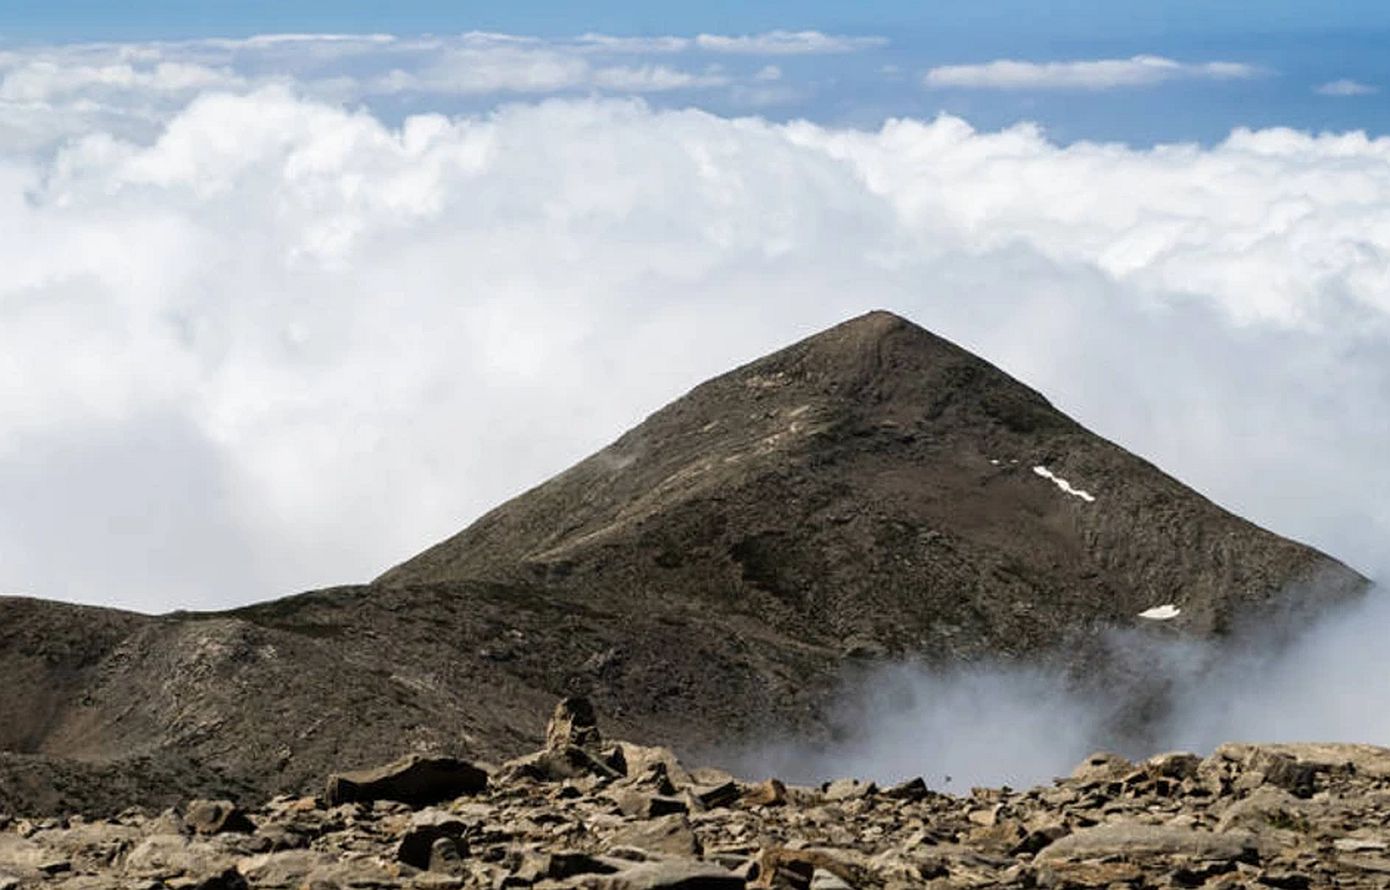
{"x": 1090, "y": 74}
{"x": 254, "y": 340}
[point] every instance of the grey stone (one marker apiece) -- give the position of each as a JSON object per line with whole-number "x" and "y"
{"x": 668, "y": 834}
{"x": 1136, "y": 839}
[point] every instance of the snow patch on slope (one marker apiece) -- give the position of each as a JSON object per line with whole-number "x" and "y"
{"x": 1064, "y": 485}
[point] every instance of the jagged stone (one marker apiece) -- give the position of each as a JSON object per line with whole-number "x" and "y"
{"x": 559, "y": 765}
{"x": 640, "y": 759}
{"x": 911, "y": 789}
{"x": 574, "y": 724}
{"x": 712, "y": 796}
{"x": 415, "y": 780}
{"x": 648, "y": 806}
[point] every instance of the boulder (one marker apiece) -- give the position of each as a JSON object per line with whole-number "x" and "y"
{"x": 641, "y": 758}
{"x": 671, "y": 835}
{"x": 770, "y": 793}
{"x": 215, "y": 817}
{"x": 418, "y": 847}
{"x": 1264, "y": 808}
{"x": 416, "y": 781}
{"x": 174, "y": 854}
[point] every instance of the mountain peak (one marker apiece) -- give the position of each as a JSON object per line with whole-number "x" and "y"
{"x": 795, "y": 481}
{"x": 869, "y": 489}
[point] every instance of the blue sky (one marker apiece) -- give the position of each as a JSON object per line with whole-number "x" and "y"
{"x": 1298, "y": 47}
{"x": 997, "y": 21}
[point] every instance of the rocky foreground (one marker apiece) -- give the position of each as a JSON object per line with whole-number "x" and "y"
{"x": 585, "y": 812}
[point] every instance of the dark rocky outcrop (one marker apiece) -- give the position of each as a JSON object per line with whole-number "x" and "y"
{"x": 414, "y": 780}
{"x": 870, "y": 493}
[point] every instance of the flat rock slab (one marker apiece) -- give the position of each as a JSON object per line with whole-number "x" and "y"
{"x": 1139, "y": 840}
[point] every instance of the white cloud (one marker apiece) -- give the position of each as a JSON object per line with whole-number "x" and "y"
{"x": 1346, "y": 88}
{"x": 41, "y": 81}
{"x": 1098, "y": 74}
{"x": 654, "y": 78}
{"x": 509, "y": 70}
{"x": 493, "y": 70}
{"x": 54, "y": 92}
{"x": 786, "y": 43}
{"x": 268, "y": 343}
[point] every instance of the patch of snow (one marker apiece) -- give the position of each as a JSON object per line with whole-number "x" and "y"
{"x": 1064, "y": 484}
{"x": 1161, "y": 613}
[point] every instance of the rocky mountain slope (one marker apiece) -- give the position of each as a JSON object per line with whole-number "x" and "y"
{"x": 871, "y": 492}
{"x": 875, "y": 481}
{"x": 589, "y": 813}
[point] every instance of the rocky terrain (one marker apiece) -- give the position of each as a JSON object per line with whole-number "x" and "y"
{"x": 586, "y": 812}
{"x": 872, "y": 493}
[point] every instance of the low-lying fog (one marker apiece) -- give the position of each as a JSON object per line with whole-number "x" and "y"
{"x": 995, "y": 724}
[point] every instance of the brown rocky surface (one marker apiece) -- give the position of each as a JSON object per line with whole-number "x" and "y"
{"x": 871, "y": 493}
{"x": 1228, "y": 820}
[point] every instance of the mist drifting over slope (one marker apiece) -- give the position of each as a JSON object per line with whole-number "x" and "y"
{"x": 991, "y": 724}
